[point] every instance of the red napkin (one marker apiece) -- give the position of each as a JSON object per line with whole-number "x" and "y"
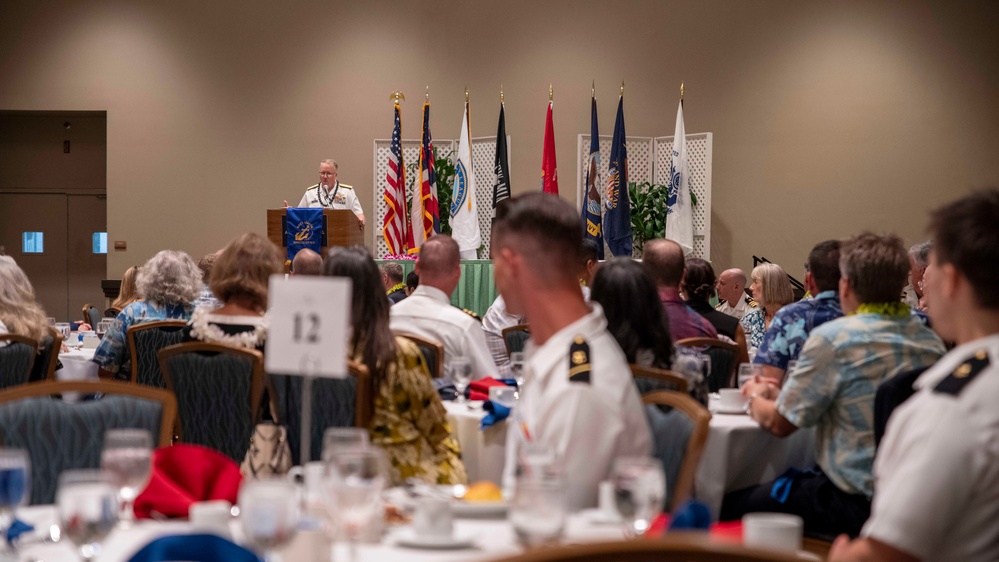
{"x": 479, "y": 390}
{"x": 185, "y": 474}
{"x": 730, "y": 531}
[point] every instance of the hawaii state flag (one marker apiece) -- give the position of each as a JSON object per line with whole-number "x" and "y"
{"x": 464, "y": 214}
{"x": 501, "y": 187}
{"x": 395, "y": 225}
{"x": 549, "y": 170}
{"x": 617, "y": 219}
{"x": 424, "y": 211}
{"x": 679, "y": 215}
{"x": 591, "y": 211}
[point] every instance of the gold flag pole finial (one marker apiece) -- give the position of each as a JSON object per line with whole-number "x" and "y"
{"x": 593, "y": 89}
{"x": 428, "y": 94}
{"x": 466, "y": 94}
{"x": 551, "y": 92}
{"x": 681, "y": 91}
{"x": 501, "y": 94}
{"x": 396, "y": 96}
{"x": 622, "y": 87}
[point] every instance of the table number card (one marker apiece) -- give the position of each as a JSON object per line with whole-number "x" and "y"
{"x": 308, "y": 326}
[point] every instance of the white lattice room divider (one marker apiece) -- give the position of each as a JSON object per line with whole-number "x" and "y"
{"x": 483, "y": 161}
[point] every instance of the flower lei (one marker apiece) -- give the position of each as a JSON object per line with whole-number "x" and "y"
{"x": 894, "y": 309}
{"x": 204, "y": 330}
{"x": 396, "y": 287}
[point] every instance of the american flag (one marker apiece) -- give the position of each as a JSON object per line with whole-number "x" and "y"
{"x": 394, "y": 229}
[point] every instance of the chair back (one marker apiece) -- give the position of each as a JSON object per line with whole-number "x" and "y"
{"x": 91, "y": 315}
{"x": 48, "y": 356}
{"x": 62, "y": 435}
{"x": 335, "y": 403}
{"x": 515, "y": 337}
{"x": 16, "y": 359}
{"x": 219, "y": 391}
{"x": 724, "y": 360}
{"x": 684, "y": 428}
{"x": 111, "y": 312}
{"x": 650, "y": 379}
{"x": 432, "y": 350}
{"x": 145, "y": 340}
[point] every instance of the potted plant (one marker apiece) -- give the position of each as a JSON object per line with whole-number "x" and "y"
{"x": 648, "y": 212}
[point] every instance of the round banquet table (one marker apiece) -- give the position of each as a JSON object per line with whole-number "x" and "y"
{"x": 77, "y": 365}
{"x": 482, "y": 450}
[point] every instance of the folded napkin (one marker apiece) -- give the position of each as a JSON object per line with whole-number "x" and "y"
{"x": 197, "y": 548}
{"x": 691, "y": 516}
{"x": 445, "y": 388}
{"x": 16, "y": 529}
{"x": 185, "y": 474}
{"x": 479, "y": 390}
{"x": 494, "y": 413}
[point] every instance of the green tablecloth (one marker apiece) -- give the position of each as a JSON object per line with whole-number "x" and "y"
{"x": 476, "y": 290}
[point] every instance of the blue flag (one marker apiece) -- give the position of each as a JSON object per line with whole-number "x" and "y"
{"x": 304, "y": 229}
{"x": 617, "y": 219}
{"x": 590, "y": 215}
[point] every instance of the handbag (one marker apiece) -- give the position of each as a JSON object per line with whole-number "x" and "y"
{"x": 268, "y": 453}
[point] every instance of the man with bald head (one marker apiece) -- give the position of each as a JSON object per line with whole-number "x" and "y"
{"x": 428, "y": 312}
{"x": 731, "y": 291}
{"x": 306, "y": 262}
{"x": 663, "y": 260}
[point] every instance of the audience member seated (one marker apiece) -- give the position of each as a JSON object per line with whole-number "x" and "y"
{"x": 409, "y": 420}
{"x": 664, "y": 261}
{"x": 771, "y": 291}
{"x": 782, "y": 342}
{"x": 732, "y": 292}
{"x": 591, "y": 262}
{"x": 637, "y": 320}
{"x": 428, "y": 312}
{"x": 912, "y": 294}
{"x": 395, "y": 288}
{"x": 494, "y": 322}
{"x": 833, "y": 388}
{"x": 127, "y": 294}
{"x": 207, "y": 298}
{"x": 167, "y": 284}
{"x": 580, "y": 401}
{"x": 699, "y": 286}
{"x": 307, "y": 262}
{"x": 936, "y": 469}
{"x": 412, "y": 282}
{"x": 20, "y": 313}
{"x": 239, "y": 278}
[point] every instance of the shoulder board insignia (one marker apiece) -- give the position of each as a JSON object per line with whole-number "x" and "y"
{"x": 471, "y": 313}
{"x": 316, "y": 187}
{"x": 963, "y": 374}
{"x": 751, "y": 302}
{"x": 720, "y": 305}
{"x": 345, "y": 186}
{"x": 579, "y": 361}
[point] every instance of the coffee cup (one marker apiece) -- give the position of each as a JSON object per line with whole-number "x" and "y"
{"x": 606, "y": 501}
{"x": 211, "y": 516}
{"x": 731, "y": 399}
{"x": 776, "y": 531}
{"x": 432, "y": 518}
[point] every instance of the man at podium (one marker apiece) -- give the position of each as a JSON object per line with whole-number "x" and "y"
{"x": 330, "y": 193}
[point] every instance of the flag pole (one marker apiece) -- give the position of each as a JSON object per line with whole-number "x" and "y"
{"x": 551, "y": 92}
{"x": 622, "y": 88}
{"x": 501, "y": 94}
{"x": 593, "y": 89}
{"x": 681, "y": 93}
{"x": 428, "y": 94}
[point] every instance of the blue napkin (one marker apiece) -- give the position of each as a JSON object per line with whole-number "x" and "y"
{"x": 16, "y": 529}
{"x": 494, "y": 413}
{"x": 692, "y": 515}
{"x": 196, "y": 548}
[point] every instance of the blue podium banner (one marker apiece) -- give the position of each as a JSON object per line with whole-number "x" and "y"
{"x": 304, "y": 229}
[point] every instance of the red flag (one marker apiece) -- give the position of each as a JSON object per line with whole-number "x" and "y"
{"x": 549, "y": 171}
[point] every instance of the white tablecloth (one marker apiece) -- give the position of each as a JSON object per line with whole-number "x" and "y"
{"x": 482, "y": 451}
{"x": 77, "y": 365}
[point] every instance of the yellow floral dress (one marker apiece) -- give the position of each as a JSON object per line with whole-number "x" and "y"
{"x": 410, "y": 423}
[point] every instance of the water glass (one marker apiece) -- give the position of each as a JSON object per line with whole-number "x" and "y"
{"x": 747, "y": 371}
{"x": 461, "y": 374}
{"x": 63, "y": 328}
{"x": 639, "y": 492}
{"x": 339, "y": 439}
{"x": 15, "y": 484}
{"x": 268, "y": 514}
{"x": 103, "y": 326}
{"x": 357, "y": 478}
{"x": 87, "y": 502}
{"x": 537, "y": 510}
{"x": 127, "y": 458}
{"x": 517, "y": 360}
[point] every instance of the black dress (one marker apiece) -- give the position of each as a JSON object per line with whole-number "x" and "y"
{"x": 723, "y": 323}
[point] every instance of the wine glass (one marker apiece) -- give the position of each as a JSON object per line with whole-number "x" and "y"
{"x": 461, "y": 374}
{"x": 357, "y": 478}
{"x": 127, "y": 457}
{"x": 639, "y": 492}
{"x": 103, "y": 326}
{"x": 537, "y": 510}
{"x": 268, "y": 513}
{"x": 15, "y": 484}
{"x": 747, "y": 371}
{"x": 338, "y": 439}
{"x": 517, "y": 368}
{"x": 87, "y": 501}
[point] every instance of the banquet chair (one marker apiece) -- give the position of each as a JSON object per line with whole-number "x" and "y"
{"x": 433, "y": 352}
{"x": 683, "y": 429}
{"x": 335, "y": 403}
{"x": 219, "y": 391}
{"x": 111, "y": 312}
{"x": 673, "y": 547}
{"x": 47, "y": 359}
{"x": 650, "y": 378}
{"x": 725, "y": 359}
{"x": 60, "y": 435}
{"x": 91, "y": 315}
{"x": 145, "y": 341}
{"x": 16, "y": 359}
{"x": 515, "y": 337}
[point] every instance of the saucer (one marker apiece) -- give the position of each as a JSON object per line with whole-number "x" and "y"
{"x": 410, "y": 539}
{"x": 731, "y": 411}
{"x": 599, "y": 516}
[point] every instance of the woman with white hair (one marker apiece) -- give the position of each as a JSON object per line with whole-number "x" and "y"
{"x": 771, "y": 291}
{"x": 167, "y": 284}
{"x": 20, "y": 313}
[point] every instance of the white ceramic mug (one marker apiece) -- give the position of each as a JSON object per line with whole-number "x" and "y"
{"x": 432, "y": 518}
{"x": 211, "y": 516}
{"x": 730, "y": 399}
{"x": 777, "y": 531}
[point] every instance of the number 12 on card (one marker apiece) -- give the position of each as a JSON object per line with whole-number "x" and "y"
{"x": 308, "y": 326}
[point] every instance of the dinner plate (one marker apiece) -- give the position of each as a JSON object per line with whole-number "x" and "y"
{"x": 410, "y": 539}
{"x": 721, "y": 410}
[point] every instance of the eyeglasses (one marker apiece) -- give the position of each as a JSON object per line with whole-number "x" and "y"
{"x": 326, "y": 173}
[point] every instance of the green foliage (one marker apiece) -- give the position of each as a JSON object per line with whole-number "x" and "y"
{"x": 648, "y": 212}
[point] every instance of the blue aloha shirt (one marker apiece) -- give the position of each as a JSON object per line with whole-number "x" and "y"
{"x": 832, "y": 388}
{"x": 754, "y": 324}
{"x": 112, "y": 353}
{"x": 790, "y": 327}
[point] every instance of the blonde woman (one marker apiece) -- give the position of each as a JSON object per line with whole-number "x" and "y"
{"x": 20, "y": 313}
{"x": 771, "y": 291}
{"x": 127, "y": 294}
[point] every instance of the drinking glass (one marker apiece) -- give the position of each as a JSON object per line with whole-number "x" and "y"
{"x": 127, "y": 458}
{"x": 461, "y": 375}
{"x": 15, "y": 484}
{"x": 103, "y": 326}
{"x": 537, "y": 510}
{"x": 268, "y": 513}
{"x": 747, "y": 371}
{"x": 639, "y": 492}
{"x": 87, "y": 501}
{"x": 357, "y": 478}
{"x": 517, "y": 367}
{"x": 63, "y": 328}
{"x": 339, "y": 439}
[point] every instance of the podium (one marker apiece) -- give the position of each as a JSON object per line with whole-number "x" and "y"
{"x": 340, "y": 228}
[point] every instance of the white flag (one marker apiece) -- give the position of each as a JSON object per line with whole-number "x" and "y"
{"x": 464, "y": 213}
{"x": 679, "y": 215}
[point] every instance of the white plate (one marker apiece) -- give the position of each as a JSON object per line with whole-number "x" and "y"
{"x": 602, "y": 517}
{"x": 721, "y": 410}
{"x": 408, "y": 538}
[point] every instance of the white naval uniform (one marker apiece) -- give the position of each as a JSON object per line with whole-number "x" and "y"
{"x": 936, "y": 491}
{"x": 739, "y": 310}
{"x": 428, "y": 313}
{"x": 495, "y": 320}
{"x": 344, "y": 198}
{"x": 587, "y": 424}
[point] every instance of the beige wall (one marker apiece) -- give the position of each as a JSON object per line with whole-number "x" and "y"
{"x": 829, "y": 117}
